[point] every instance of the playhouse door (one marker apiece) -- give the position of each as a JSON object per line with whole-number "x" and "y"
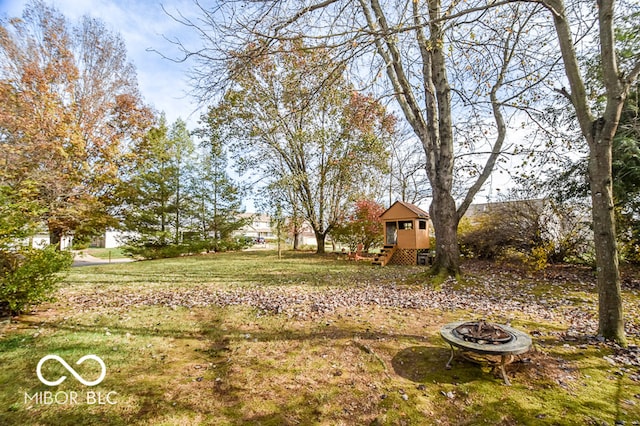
{"x": 391, "y": 233}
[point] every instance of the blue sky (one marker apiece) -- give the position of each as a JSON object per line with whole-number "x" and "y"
{"x": 142, "y": 24}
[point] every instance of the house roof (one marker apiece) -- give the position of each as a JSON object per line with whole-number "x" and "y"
{"x": 477, "y": 209}
{"x": 412, "y": 209}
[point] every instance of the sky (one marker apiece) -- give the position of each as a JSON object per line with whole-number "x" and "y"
{"x": 145, "y": 28}
{"x": 143, "y": 25}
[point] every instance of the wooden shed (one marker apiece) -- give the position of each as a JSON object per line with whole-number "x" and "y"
{"x": 406, "y": 234}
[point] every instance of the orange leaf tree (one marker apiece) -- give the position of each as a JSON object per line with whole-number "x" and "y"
{"x": 361, "y": 226}
{"x": 69, "y": 104}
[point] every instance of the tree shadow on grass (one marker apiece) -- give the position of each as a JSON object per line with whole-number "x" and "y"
{"x": 165, "y": 393}
{"x": 427, "y": 364}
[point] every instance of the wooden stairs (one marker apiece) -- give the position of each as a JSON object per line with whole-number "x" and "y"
{"x": 384, "y": 256}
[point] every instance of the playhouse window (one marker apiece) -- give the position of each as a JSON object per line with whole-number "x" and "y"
{"x": 405, "y": 224}
{"x": 422, "y": 224}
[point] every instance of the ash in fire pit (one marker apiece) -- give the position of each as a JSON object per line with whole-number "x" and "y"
{"x": 482, "y": 333}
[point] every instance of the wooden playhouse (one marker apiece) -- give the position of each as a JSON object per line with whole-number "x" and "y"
{"x": 406, "y": 235}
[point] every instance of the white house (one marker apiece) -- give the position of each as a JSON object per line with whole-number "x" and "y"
{"x": 41, "y": 239}
{"x": 259, "y": 226}
{"x": 111, "y": 239}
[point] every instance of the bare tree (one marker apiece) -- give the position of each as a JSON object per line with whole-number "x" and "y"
{"x": 407, "y": 173}
{"x": 408, "y": 41}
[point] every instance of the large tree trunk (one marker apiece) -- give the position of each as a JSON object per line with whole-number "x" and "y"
{"x": 445, "y": 224}
{"x": 599, "y": 133}
{"x": 320, "y": 240}
{"x": 439, "y": 147}
{"x": 610, "y": 313}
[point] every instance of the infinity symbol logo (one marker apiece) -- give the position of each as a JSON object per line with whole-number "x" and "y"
{"x": 71, "y": 370}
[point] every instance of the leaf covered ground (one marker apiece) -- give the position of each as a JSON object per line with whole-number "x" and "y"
{"x": 249, "y": 339}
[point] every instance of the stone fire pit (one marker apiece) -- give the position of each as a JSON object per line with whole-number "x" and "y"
{"x": 485, "y": 338}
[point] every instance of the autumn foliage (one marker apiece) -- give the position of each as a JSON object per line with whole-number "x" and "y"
{"x": 293, "y": 118}
{"x": 69, "y": 106}
{"x": 361, "y": 226}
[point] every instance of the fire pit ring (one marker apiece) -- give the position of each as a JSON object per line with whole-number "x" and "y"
{"x": 512, "y": 342}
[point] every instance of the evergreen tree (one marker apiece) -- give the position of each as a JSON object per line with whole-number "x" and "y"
{"x": 181, "y": 159}
{"x": 157, "y": 192}
{"x": 148, "y": 192}
{"x": 218, "y": 197}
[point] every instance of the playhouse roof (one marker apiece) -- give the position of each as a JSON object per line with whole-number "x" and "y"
{"x": 404, "y": 209}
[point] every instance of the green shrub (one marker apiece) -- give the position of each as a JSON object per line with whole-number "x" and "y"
{"x": 154, "y": 250}
{"x": 28, "y": 276}
{"x": 233, "y": 244}
{"x": 151, "y": 251}
{"x": 486, "y": 237}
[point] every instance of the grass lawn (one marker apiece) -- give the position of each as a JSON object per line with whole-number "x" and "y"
{"x": 106, "y": 253}
{"x": 245, "y": 338}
